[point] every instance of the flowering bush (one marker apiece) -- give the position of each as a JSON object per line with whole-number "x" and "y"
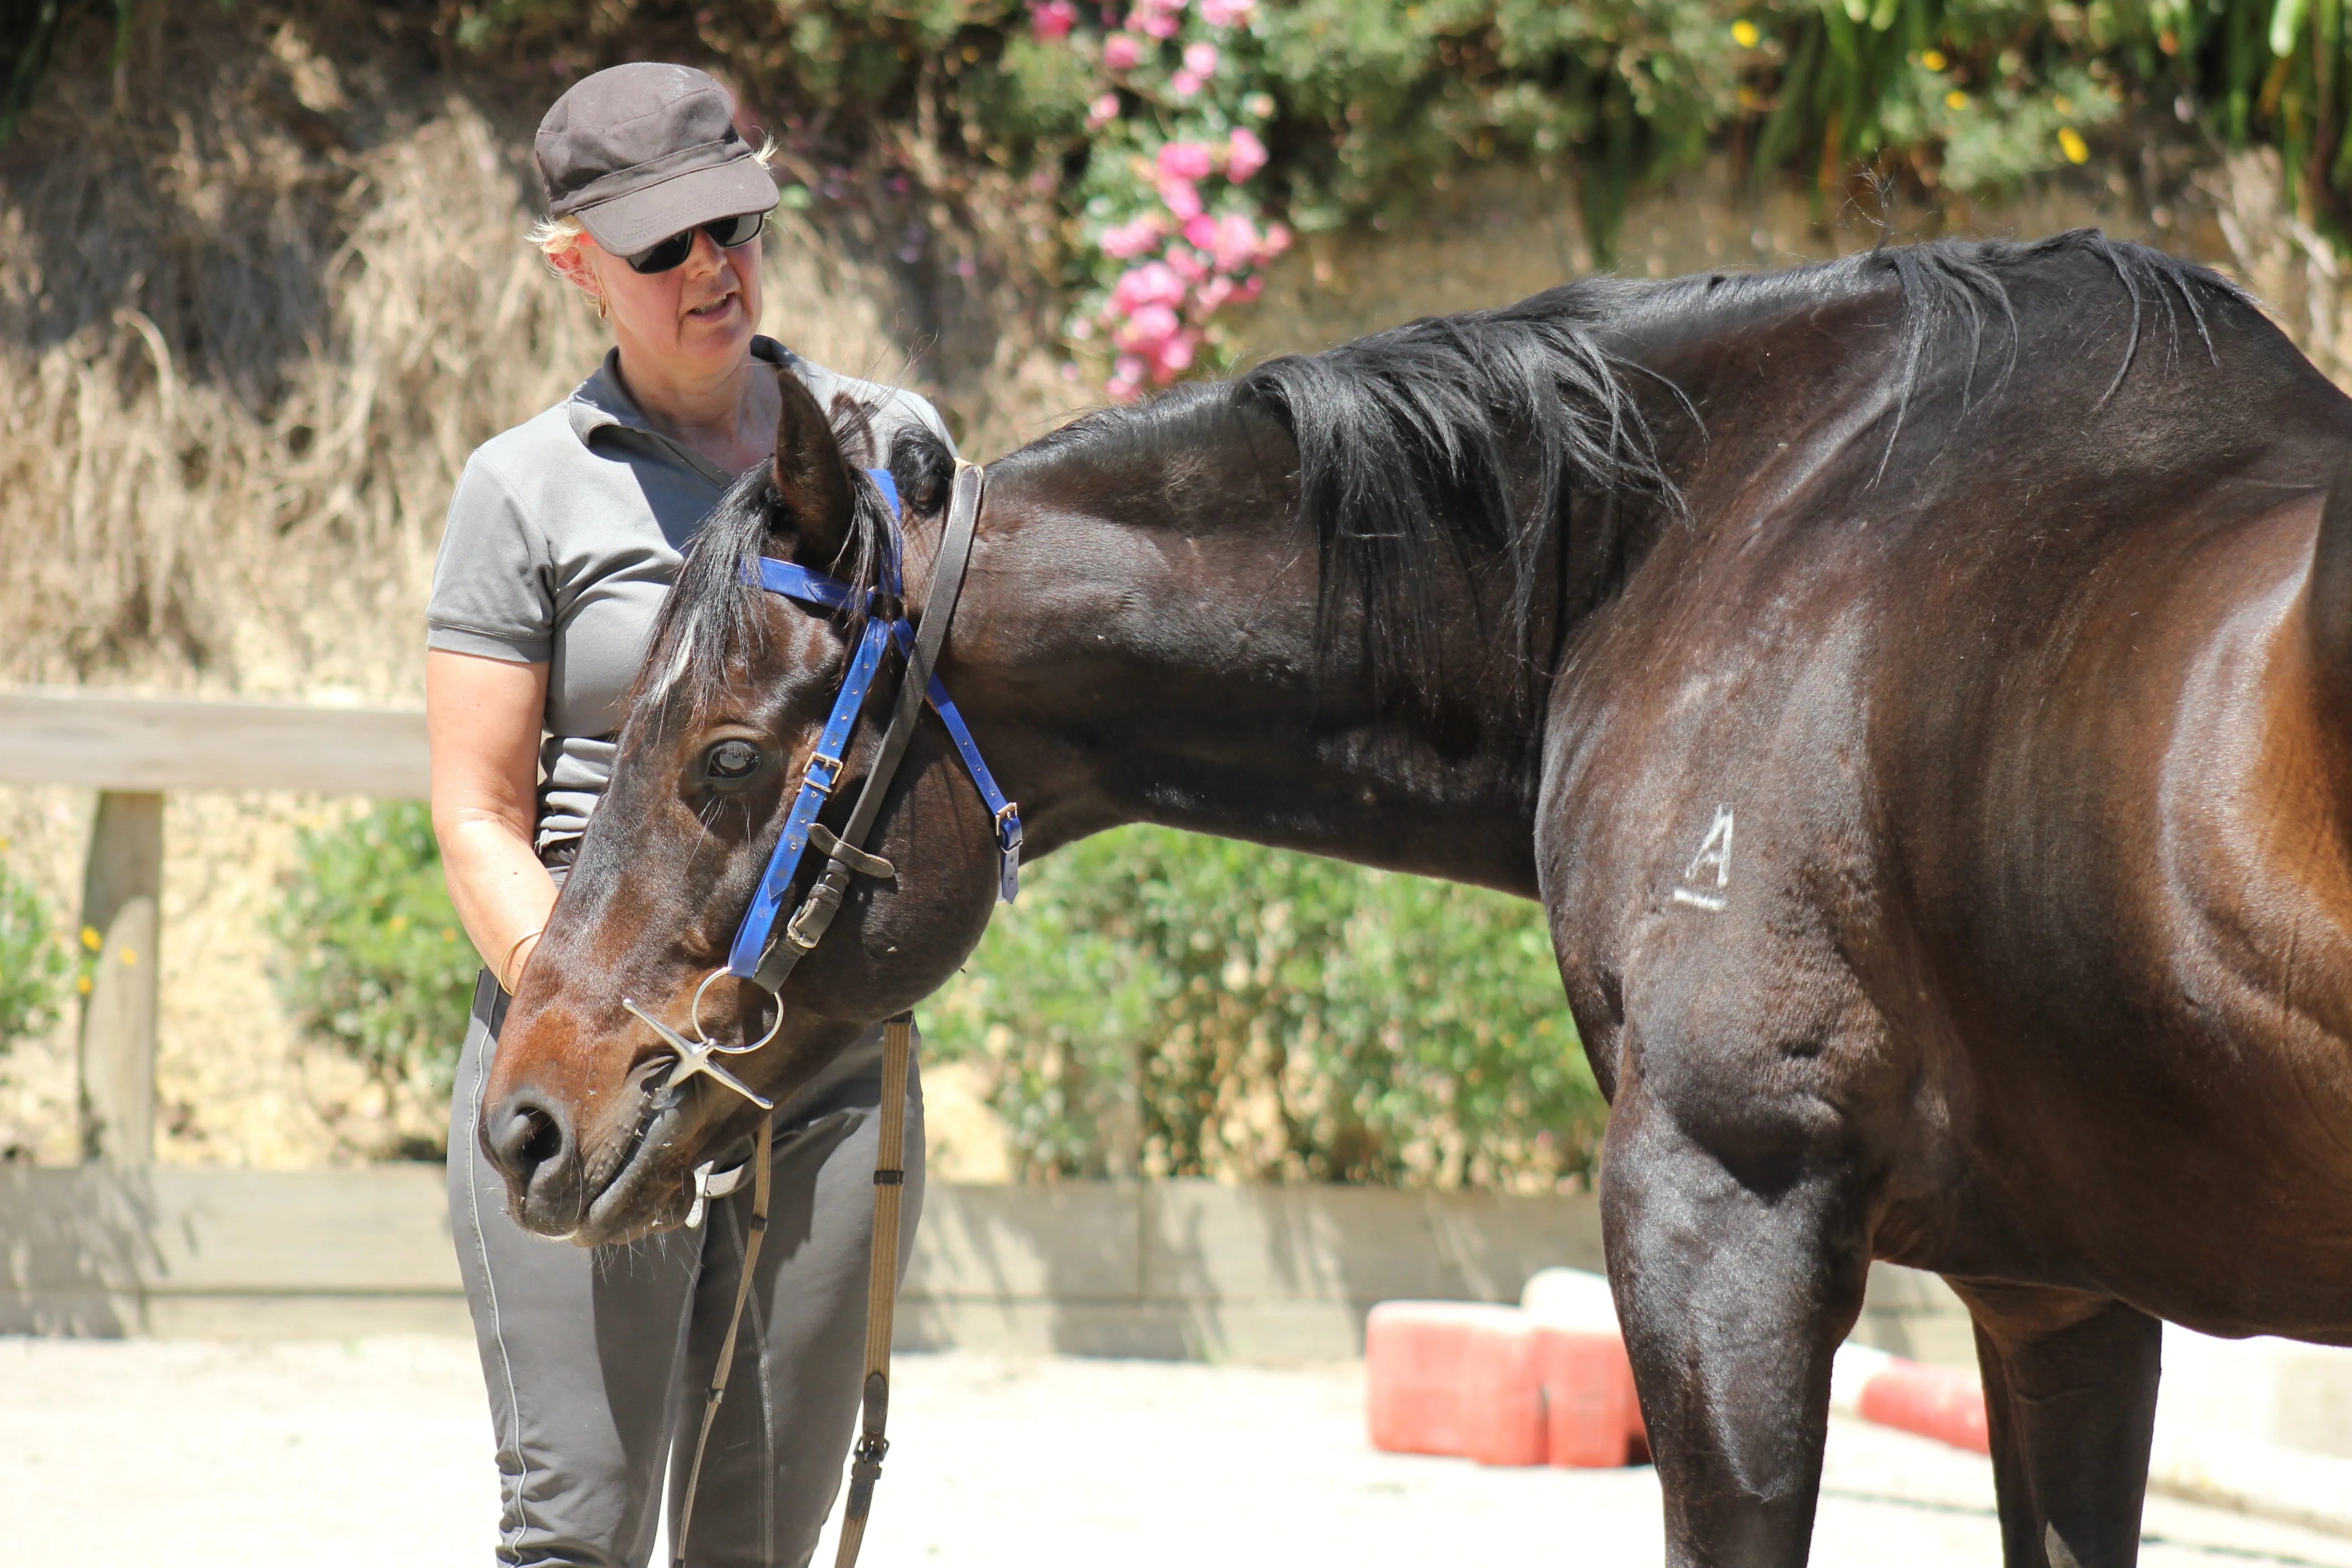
{"x": 1173, "y": 221}
{"x": 1179, "y": 200}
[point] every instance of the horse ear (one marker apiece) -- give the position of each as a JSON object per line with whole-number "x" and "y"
{"x": 812, "y": 477}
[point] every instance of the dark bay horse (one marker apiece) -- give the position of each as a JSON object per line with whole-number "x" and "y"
{"x": 1919, "y": 688}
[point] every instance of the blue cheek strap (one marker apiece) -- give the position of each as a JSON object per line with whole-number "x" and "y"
{"x": 822, "y": 775}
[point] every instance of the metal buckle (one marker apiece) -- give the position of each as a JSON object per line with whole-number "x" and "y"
{"x": 1008, "y": 850}
{"x": 808, "y": 778}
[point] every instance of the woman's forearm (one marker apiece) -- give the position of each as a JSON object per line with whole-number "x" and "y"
{"x": 482, "y": 717}
{"x": 502, "y": 893}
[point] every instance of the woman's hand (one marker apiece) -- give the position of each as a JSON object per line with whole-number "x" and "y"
{"x": 483, "y": 717}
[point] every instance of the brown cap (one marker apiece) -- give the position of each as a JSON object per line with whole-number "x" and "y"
{"x": 642, "y": 152}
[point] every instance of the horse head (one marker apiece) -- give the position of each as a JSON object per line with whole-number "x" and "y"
{"x": 601, "y": 1105}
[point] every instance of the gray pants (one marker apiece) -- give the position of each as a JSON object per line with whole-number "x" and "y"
{"x": 597, "y": 1359}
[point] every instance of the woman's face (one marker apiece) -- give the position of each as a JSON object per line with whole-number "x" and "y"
{"x": 697, "y": 317}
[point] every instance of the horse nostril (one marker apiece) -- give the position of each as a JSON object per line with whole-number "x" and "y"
{"x": 526, "y": 1136}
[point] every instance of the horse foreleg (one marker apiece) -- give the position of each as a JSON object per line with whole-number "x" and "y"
{"x": 1738, "y": 1269}
{"x": 2070, "y": 1399}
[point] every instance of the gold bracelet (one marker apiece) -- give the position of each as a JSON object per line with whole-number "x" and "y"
{"x": 511, "y": 957}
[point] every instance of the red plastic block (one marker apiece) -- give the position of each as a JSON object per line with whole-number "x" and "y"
{"x": 1503, "y": 1393}
{"x": 1416, "y": 1372}
{"x": 1592, "y": 1420}
{"x": 1938, "y": 1401}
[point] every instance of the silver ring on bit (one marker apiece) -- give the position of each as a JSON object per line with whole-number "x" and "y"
{"x": 694, "y": 1019}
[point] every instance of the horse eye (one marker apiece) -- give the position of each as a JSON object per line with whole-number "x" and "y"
{"x": 733, "y": 760}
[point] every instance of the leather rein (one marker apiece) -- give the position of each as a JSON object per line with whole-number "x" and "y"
{"x": 767, "y": 958}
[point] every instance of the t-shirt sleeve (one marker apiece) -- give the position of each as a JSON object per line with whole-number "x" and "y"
{"x": 493, "y": 584}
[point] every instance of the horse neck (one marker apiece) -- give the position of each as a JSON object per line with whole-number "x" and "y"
{"x": 1153, "y": 653}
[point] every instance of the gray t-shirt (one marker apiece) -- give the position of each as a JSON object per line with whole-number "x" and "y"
{"x": 564, "y": 533}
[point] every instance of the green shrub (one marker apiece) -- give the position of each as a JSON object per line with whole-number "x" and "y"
{"x": 34, "y": 961}
{"x": 376, "y": 963}
{"x": 1176, "y": 1004}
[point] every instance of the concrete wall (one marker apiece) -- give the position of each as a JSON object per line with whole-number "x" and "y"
{"x": 1176, "y": 1269}
{"x": 1192, "y": 1269}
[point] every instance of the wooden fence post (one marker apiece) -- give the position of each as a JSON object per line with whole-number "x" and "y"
{"x": 122, "y": 892}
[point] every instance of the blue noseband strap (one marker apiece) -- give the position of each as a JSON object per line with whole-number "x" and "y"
{"x": 822, "y": 775}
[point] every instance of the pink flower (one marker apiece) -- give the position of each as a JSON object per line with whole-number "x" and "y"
{"x": 1202, "y": 231}
{"x": 1187, "y": 160}
{"x": 1245, "y": 154}
{"x": 1126, "y": 239}
{"x": 1200, "y": 59}
{"x": 1253, "y": 286}
{"x": 1122, "y": 51}
{"x": 1235, "y": 242}
{"x": 1175, "y": 354}
{"x": 1151, "y": 326}
{"x": 1277, "y": 240}
{"x": 1211, "y": 294}
{"x": 1160, "y": 18}
{"x": 1125, "y": 379}
{"x": 1181, "y": 198}
{"x": 1226, "y": 13}
{"x": 1102, "y": 112}
{"x": 1183, "y": 83}
{"x": 1052, "y": 19}
{"x": 1187, "y": 263}
{"x": 1154, "y": 282}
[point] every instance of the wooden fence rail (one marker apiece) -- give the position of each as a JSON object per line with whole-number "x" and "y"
{"x": 132, "y": 749}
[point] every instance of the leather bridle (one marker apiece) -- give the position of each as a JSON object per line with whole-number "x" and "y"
{"x": 766, "y": 958}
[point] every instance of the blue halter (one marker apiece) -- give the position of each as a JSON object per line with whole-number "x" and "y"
{"x": 823, "y": 773}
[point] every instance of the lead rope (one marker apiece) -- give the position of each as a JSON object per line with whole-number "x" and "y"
{"x": 881, "y": 1298}
{"x": 881, "y": 1287}
{"x": 734, "y": 1322}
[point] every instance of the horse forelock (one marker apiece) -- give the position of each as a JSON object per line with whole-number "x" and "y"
{"x": 713, "y": 624}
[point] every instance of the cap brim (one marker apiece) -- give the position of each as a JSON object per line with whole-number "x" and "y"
{"x": 644, "y": 218}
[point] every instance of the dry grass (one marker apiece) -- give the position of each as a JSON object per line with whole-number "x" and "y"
{"x": 260, "y": 295}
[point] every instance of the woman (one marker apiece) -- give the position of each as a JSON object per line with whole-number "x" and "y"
{"x": 564, "y": 534}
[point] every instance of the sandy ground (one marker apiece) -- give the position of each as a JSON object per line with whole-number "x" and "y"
{"x": 377, "y": 1452}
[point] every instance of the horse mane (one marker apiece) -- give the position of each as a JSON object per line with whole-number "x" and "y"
{"x": 1490, "y": 434}
{"x": 1474, "y": 437}
{"x": 714, "y": 617}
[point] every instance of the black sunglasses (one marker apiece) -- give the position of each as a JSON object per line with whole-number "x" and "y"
{"x": 726, "y": 233}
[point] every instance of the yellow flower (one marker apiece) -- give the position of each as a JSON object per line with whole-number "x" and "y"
{"x": 2071, "y": 143}
{"x": 90, "y": 939}
{"x": 81, "y": 983}
{"x": 1934, "y": 60}
{"x": 2063, "y": 104}
{"x": 399, "y": 924}
{"x": 1955, "y": 99}
{"x": 1745, "y": 34}
{"x": 126, "y": 956}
